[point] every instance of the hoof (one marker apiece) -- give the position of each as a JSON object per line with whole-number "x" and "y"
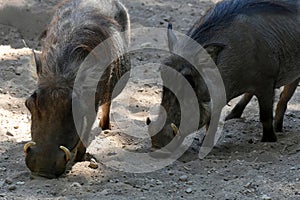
{"x": 232, "y": 116}
{"x": 272, "y": 138}
{"x": 105, "y": 126}
{"x": 278, "y": 128}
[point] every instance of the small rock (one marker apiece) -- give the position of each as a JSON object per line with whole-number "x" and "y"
{"x": 189, "y": 183}
{"x": 183, "y": 178}
{"x": 187, "y": 168}
{"x": 2, "y": 184}
{"x": 18, "y": 71}
{"x": 166, "y": 18}
{"x": 248, "y": 185}
{"x": 12, "y": 187}
{"x": 266, "y": 197}
{"x": 171, "y": 173}
{"x": 111, "y": 153}
{"x": 226, "y": 179}
{"x": 93, "y": 164}
{"x": 189, "y": 190}
{"x": 2, "y": 194}
{"x": 158, "y": 182}
{"x": 76, "y": 185}
{"x": 8, "y": 181}
{"x": 297, "y": 193}
{"x": 20, "y": 183}
{"x": 16, "y": 127}
{"x": 9, "y": 133}
{"x": 3, "y": 169}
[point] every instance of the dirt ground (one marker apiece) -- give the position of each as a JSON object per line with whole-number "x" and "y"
{"x": 239, "y": 166}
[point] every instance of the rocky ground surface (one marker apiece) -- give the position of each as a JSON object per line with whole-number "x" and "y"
{"x": 239, "y": 166}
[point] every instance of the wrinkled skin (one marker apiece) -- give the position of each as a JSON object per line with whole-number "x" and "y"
{"x": 55, "y": 141}
{"x": 255, "y": 45}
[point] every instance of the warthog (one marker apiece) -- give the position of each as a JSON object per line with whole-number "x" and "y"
{"x": 255, "y": 45}
{"x": 78, "y": 27}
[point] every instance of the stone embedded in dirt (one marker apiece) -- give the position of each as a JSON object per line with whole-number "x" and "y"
{"x": 9, "y": 134}
{"x": 248, "y": 185}
{"x": 183, "y": 178}
{"x": 2, "y": 183}
{"x": 93, "y": 164}
{"x": 8, "y": 181}
{"x": 16, "y": 127}
{"x": 171, "y": 173}
{"x": 158, "y": 182}
{"x": 166, "y": 18}
{"x": 189, "y": 190}
{"x": 187, "y": 168}
{"x": 75, "y": 185}
{"x": 189, "y": 183}
{"x": 18, "y": 71}
{"x": 2, "y": 194}
{"x": 12, "y": 187}
{"x": 20, "y": 183}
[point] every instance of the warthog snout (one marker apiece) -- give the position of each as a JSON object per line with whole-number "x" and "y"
{"x": 51, "y": 164}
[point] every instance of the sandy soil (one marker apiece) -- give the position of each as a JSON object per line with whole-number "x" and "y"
{"x": 239, "y": 167}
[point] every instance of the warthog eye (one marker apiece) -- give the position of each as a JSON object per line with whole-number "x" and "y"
{"x": 30, "y": 102}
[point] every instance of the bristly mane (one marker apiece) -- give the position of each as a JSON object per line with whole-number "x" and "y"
{"x": 224, "y": 12}
{"x": 68, "y": 42}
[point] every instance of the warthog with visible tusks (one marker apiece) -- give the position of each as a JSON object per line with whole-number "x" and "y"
{"x": 255, "y": 45}
{"x": 77, "y": 28}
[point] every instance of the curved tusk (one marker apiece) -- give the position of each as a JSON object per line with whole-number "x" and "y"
{"x": 175, "y": 129}
{"x": 67, "y": 152}
{"x": 28, "y": 145}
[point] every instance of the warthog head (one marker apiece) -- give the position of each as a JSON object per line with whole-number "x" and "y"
{"x": 55, "y": 142}
{"x": 164, "y": 131}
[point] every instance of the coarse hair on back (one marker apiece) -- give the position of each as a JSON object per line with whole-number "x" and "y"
{"x": 225, "y": 11}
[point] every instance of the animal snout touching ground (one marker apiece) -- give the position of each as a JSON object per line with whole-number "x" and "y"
{"x": 51, "y": 166}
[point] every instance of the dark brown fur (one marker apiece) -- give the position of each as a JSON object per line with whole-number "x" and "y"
{"x": 77, "y": 27}
{"x": 255, "y": 45}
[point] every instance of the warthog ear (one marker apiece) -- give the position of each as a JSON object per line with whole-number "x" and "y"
{"x": 172, "y": 39}
{"x": 214, "y": 50}
{"x": 37, "y": 60}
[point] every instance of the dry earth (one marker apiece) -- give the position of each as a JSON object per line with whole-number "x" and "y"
{"x": 239, "y": 167}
